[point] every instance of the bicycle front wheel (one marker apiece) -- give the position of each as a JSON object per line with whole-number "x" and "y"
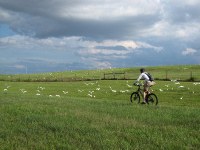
{"x": 152, "y": 99}
{"x": 135, "y": 97}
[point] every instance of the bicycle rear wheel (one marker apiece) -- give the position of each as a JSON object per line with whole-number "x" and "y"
{"x": 135, "y": 97}
{"x": 152, "y": 99}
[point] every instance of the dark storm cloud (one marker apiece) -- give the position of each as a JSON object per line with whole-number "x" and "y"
{"x": 45, "y": 19}
{"x": 182, "y": 12}
{"x": 90, "y": 34}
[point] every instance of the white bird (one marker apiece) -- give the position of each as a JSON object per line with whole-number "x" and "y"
{"x": 23, "y": 91}
{"x": 90, "y": 95}
{"x": 65, "y": 92}
{"x": 181, "y": 97}
{"x": 97, "y": 89}
{"x": 114, "y": 91}
{"x": 38, "y": 94}
{"x": 181, "y": 86}
{"x": 5, "y": 90}
{"x": 129, "y": 85}
{"x": 8, "y": 86}
{"x": 196, "y": 83}
{"x": 91, "y": 92}
{"x": 173, "y": 80}
{"x": 57, "y": 95}
{"x": 161, "y": 90}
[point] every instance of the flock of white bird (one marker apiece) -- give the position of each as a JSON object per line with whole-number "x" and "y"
{"x": 96, "y": 87}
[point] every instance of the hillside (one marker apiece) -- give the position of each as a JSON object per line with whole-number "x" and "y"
{"x": 182, "y": 72}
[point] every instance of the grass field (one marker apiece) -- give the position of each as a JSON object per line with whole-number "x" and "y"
{"x": 98, "y": 115}
{"x": 182, "y": 72}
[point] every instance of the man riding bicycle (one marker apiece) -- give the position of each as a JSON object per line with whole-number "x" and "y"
{"x": 147, "y": 83}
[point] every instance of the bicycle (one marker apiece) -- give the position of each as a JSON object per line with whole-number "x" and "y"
{"x": 151, "y": 98}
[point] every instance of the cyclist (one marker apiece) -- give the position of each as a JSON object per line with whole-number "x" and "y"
{"x": 147, "y": 82}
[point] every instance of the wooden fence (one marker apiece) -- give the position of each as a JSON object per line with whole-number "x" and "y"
{"x": 164, "y": 75}
{"x": 183, "y": 76}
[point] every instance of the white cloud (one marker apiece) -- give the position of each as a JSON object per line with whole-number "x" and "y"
{"x": 100, "y": 32}
{"x": 108, "y": 9}
{"x": 29, "y": 43}
{"x": 19, "y": 66}
{"x": 113, "y": 49}
{"x": 189, "y": 51}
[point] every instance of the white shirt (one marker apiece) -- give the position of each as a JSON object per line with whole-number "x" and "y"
{"x": 143, "y": 76}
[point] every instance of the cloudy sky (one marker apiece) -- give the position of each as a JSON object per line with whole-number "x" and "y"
{"x": 57, "y": 35}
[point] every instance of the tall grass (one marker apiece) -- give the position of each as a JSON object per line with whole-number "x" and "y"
{"x": 97, "y": 115}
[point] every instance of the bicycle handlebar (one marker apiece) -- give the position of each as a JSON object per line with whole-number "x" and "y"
{"x": 137, "y": 84}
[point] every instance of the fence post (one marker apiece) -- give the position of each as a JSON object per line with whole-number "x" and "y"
{"x": 191, "y": 76}
{"x": 166, "y": 75}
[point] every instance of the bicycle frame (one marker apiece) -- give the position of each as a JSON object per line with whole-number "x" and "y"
{"x": 139, "y": 90}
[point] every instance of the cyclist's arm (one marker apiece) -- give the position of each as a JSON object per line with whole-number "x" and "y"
{"x": 140, "y": 77}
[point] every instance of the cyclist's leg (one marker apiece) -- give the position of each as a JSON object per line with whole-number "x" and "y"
{"x": 146, "y": 91}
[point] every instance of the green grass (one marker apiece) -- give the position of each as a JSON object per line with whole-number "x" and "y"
{"x": 182, "y": 72}
{"x": 91, "y": 116}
